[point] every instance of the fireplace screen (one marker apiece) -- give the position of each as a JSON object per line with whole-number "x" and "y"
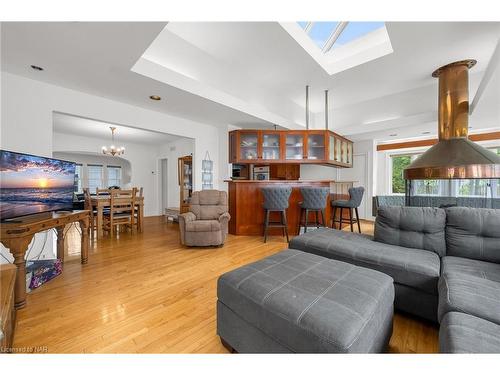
{"x": 479, "y": 193}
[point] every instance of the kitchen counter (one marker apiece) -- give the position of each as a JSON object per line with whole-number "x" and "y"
{"x": 245, "y": 204}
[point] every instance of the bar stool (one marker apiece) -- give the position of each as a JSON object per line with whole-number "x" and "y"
{"x": 276, "y": 199}
{"x": 315, "y": 200}
{"x": 356, "y": 196}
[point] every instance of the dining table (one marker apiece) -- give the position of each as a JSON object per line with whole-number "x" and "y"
{"x": 100, "y": 202}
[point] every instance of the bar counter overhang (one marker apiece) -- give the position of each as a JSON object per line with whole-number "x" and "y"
{"x": 246, "y": 200}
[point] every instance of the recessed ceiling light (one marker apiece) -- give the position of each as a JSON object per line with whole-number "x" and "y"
{"x": 393, "y": 135}
{"x": 155, "y": 97}
{"x": 426, "y": 132}
{"x": 35, "y": 67}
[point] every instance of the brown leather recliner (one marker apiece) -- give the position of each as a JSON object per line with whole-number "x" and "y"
{"x": 206, "y": 223}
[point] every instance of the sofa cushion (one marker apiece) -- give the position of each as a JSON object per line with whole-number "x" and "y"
{"x": 412, "y": 267}
{"x": 471, "y": 267}
{"x": 462, "y": 333}
{"x": 308, "y": 303}
{"x": 208, "y": 204}
{"x": 471, "y": 287}
{"x": 473, "y": 233}
{"x": 414, "y": 227}
{"x": 203, "y": 226}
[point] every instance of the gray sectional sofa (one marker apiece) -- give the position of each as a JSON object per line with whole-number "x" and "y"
{"x": 434, "y": 201}
{"x": 445, "y": 264}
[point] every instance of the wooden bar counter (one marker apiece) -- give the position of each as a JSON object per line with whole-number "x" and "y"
{"x": 246, "y": 199}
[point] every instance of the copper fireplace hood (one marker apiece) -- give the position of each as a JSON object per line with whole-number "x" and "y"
{"x": 454, "y": 156}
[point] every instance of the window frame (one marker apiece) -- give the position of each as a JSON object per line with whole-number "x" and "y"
{"x": 89, "y": 179}
{"x": 108, "y": 179}
{"x": 79, "y": 180}
{"x": 390, "y": 169}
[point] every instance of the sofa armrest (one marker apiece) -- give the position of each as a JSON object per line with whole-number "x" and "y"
{"x": 183, "y": 219}
{"x": 187, "y": 216}
{"x": 225, "y": 216}
{"x": 224, "y": 220}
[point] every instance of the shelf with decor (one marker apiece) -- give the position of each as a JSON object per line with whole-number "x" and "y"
{"x": 185, "y": 175}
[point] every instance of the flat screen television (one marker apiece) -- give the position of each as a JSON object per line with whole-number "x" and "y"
{"x": 33, "y": 184}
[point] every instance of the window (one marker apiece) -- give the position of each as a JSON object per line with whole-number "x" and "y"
{"x": 355, "y": 30}
{"x": 422, "y": 187}
{"x": 114, "y": 176}
{"x": 472, "y": 188}
{"x": 78, "y": 178}
{"x": 95, "y": 177}
{"x": 399, "y": 163}
{"x": 427, "y": 187}
{"x": 319, "y": 32}
{"x": 454, "y": 188}
{"x": 328, "y": 35}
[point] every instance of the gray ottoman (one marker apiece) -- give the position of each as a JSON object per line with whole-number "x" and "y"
{"x": 299, "y": 302}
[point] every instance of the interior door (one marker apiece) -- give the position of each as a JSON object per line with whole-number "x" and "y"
{"x": 164, "y": 184}
{"x": 358, "y": 173}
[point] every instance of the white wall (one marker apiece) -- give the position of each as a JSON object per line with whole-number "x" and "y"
{"x": 26, "y": 123}
{"x": 104, "y": 160}
{"x": 172, "y": 151}
{"x": 142, "y": 158}
{"x": 318, "y": 172}
{"x": 27, "y": 107}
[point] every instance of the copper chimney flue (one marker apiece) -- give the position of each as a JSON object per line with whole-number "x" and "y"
{"x": 454, "y": 156}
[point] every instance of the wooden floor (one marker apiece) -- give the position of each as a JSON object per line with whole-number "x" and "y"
{"x": 147, "y": 294}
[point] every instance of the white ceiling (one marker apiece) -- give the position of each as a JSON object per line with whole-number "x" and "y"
{"x": 253, "y": 74}
{"x": 67, "y": 124}
{"x": 96, "y": 57}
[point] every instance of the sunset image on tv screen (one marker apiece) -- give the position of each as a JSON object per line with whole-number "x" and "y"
{"x": 32, "y": 184}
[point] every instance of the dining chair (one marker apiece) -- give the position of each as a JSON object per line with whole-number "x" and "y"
{"x": 87, "y": 205}
{"x": 138, "y": 202}
{"x": 121, "y": 210}
{"x": 102, "y": 191}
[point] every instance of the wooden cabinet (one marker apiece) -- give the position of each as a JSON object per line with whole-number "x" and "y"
{"x": 271, "y": 145}
{"x": 7, "y": 310}
{"x": 284, "y": 171}
{"x": 185, "y": 174}
{"x": 290, "y": 147}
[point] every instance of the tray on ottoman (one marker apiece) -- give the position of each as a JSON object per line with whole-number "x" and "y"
{"x": 299, "y": 302}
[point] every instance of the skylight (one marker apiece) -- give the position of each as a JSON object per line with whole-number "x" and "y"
{"x": 337, "y": 46}
{"x": 329, "y": 35}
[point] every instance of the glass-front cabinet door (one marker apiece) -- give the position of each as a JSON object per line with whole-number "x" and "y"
{"x": 331, "y": 147}
{"x": 344, "y": 152}
{"x": 349, "y": 153}
{"x": 316, "y": 146}
{"x": 248, "y": 145}
{"x": 294, "y": 146}
{"x": 271, "y": 143}
{"x": 338, "y": 150}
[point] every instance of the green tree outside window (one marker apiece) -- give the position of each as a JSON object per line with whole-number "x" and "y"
{"x": 399, "y": 163}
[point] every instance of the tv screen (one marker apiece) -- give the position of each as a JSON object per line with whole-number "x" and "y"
{"x": 33, "y": 184}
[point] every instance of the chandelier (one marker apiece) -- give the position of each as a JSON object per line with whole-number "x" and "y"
{"x": 112, "y": 150}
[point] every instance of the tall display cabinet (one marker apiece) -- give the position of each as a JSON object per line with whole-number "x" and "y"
{"x": 185, "y": 173}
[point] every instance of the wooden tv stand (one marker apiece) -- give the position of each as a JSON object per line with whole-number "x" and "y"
{"x": 17, "y": 235}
